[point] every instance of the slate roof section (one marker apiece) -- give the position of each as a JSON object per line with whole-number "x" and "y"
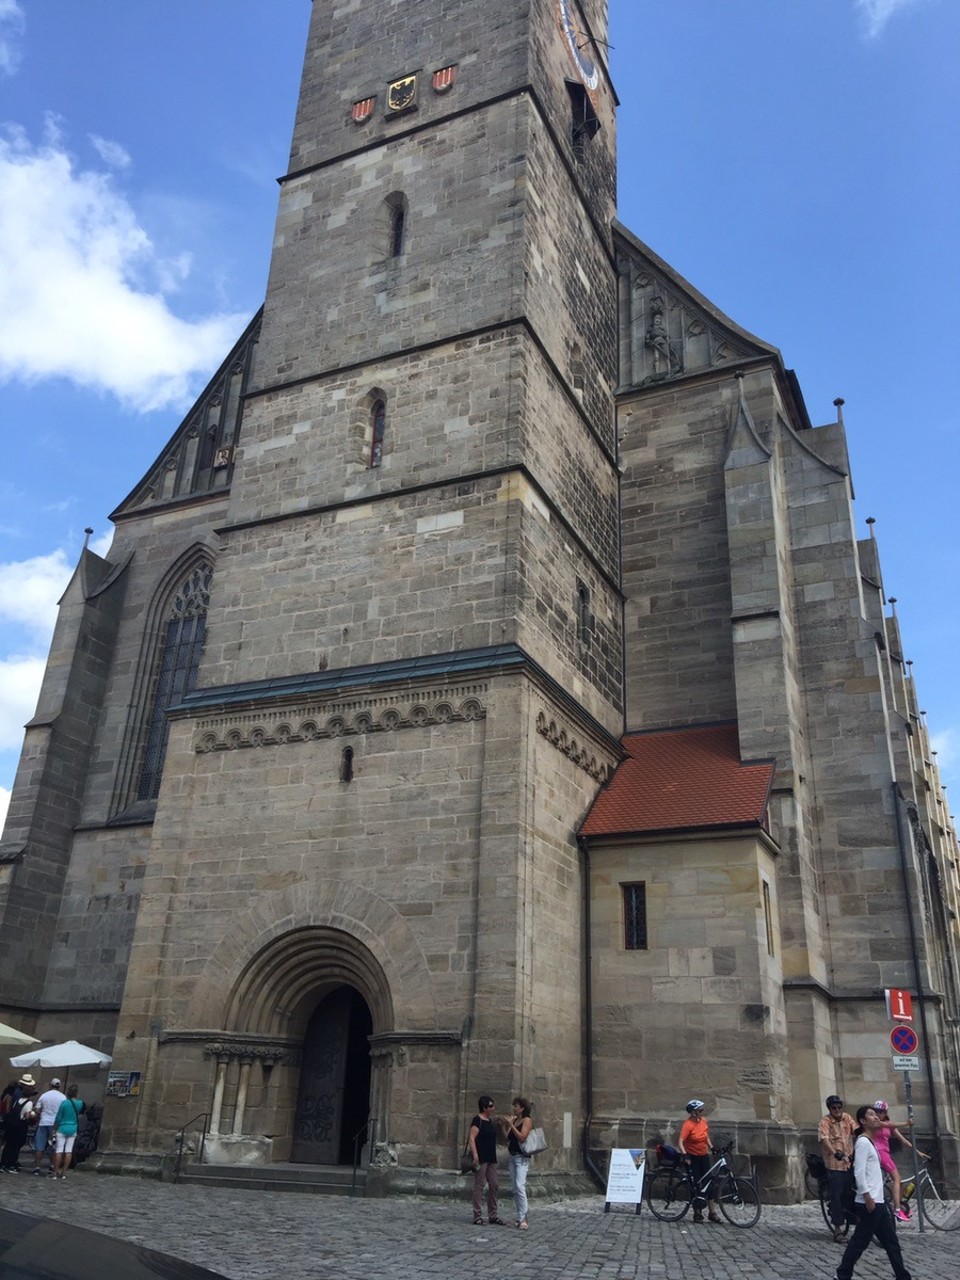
{"x": 689, "y": 779}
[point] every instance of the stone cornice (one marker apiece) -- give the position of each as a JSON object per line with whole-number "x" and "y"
{"x": 387, "y": 1040}
{"x": 237, "y": 1045}
{"x": 343, "y": 718}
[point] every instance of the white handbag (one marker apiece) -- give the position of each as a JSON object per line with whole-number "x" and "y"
{"x": 536, "y": 1141}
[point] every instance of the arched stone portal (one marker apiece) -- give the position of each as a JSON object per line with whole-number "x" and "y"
{"x": 305, "y": 1008}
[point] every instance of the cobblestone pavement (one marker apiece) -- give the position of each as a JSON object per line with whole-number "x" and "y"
{"x": 266, "y": 1235}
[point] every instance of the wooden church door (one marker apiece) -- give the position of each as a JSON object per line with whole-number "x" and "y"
{"x": 334, "y": 1095}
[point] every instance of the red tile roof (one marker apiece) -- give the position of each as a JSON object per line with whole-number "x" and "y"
{"x": 681, "y": 780}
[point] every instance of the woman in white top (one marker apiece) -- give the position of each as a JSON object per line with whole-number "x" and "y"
{"x": 874, "y": 1220}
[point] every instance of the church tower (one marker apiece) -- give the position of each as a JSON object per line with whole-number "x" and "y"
{"x": 361, "y": 904}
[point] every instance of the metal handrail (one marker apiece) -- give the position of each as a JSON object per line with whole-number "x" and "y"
{"x": 204, "y": 1116}
{"x": 368, "y": 1125}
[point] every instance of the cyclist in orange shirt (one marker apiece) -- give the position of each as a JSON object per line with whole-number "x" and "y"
{"x": 694, "y": 1142}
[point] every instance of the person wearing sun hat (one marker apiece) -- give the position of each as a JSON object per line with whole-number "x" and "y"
{"x": 881, "y": 1140}
{"x": 16, "y": 1121}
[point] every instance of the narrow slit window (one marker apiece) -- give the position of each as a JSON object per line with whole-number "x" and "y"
{"x": 398, "y": 223}
{"x": 768, "y": 917}
{"x": 346, "y": 765}
{"x": 378, "y": 426}
{"x": 584, "y": 616}
{"x": 634, "y": 916}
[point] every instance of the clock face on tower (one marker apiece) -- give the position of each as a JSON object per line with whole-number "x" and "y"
{"x": 585, "y": 65}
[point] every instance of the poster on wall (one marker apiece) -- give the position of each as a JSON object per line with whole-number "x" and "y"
{"x": 123, "y": 1084}
{"x": 625, "y": 1177}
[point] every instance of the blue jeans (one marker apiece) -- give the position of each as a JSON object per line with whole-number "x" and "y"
{"x": 519, "y": 1168}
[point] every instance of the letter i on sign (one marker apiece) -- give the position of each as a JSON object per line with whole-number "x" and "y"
{"x": 899, "y": 1005}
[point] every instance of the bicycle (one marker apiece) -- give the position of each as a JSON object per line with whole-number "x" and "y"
{"x": 818, "y": 1187}
{"x": 672, "y": 1189}
{"x": 940, "y": 1206}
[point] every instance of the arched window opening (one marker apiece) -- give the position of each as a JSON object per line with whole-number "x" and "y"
{"x": 378, "y": 427}
{"x": 346, "y": 765}
{"x": 181, "y": 644}
{"x": 397, "y": 224}
{"x": 396, "y": 211}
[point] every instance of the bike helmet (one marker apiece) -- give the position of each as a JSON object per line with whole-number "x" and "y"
{"x": 694, "y": 1105}
{"x": 880, "y": 1105}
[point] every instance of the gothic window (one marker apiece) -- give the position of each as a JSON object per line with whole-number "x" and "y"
{"x": 634, "y": 916}
{"x": 378, "y": 427}
{"x": 182, "y": 634}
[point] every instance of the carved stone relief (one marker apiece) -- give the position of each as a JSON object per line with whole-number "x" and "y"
{"x": 567, "y": 743}
{"x": 664, "y": 334}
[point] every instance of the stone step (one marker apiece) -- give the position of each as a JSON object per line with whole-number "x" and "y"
{"x": 329, "y": 1180}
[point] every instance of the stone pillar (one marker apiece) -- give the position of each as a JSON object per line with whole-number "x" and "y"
{"x": 241, "y": 1096}
{"x": 218, "y": 1095}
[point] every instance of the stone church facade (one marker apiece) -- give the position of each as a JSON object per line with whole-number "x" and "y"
{"x": 486, "y": 689}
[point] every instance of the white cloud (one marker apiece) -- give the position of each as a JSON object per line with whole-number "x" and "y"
{"x": 946, "y": 744}
{"x": 111, "y": 153}
{"x": 30, "y": 589}
{"x": 20, "y": 678}
{"x": 4, "y": 805}
{"x": 11, "y": 27}
{"x": 879, "y": 12}
{"x": 82, "y": 287}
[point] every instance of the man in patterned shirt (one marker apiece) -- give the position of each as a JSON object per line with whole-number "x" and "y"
{"x": 836, "y": 1146}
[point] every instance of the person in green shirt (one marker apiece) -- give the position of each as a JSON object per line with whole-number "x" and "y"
{"x": 65, "y": 1129}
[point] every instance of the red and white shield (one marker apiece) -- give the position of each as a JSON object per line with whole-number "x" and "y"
{"x": 443, "y": 79}
{"x": 362, "y": 110}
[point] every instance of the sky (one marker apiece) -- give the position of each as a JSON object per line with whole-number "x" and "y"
{"x": 796, "y": 160}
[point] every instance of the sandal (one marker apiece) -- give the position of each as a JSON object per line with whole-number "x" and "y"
{"x": 478, "y": 1222}
{"x": 522, "y": 1225}
{"x": 497, "y": 1222}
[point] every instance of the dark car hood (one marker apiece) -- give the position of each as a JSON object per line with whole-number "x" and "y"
{"x": 41, "y": 1249}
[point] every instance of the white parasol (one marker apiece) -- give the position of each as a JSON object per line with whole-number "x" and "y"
{"x": 17, "y": 1039}
{"x": 69, "y": 1054}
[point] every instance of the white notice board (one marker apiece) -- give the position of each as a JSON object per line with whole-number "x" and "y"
{"x": 625, "y": 1177}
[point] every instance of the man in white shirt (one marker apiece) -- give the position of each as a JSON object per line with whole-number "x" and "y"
{"x": 873, "y": 1217}
{"x": 48, "y": 1104}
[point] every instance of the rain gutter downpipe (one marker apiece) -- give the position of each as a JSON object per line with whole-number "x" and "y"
{"x": 915, "y": 956}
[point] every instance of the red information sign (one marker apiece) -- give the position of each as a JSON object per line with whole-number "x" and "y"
{"x": 899, "y": 1005}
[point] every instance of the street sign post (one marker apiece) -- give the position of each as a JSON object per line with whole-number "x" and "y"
{"x": 904, "y": 1042}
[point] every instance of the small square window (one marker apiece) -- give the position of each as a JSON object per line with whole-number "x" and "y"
{"x": 634, "y": 916}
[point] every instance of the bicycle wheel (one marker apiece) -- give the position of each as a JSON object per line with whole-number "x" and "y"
{"x": 669, "y": 1194}
{"x": 940, "y": 1205}
{"x": 739, "y": 1201}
